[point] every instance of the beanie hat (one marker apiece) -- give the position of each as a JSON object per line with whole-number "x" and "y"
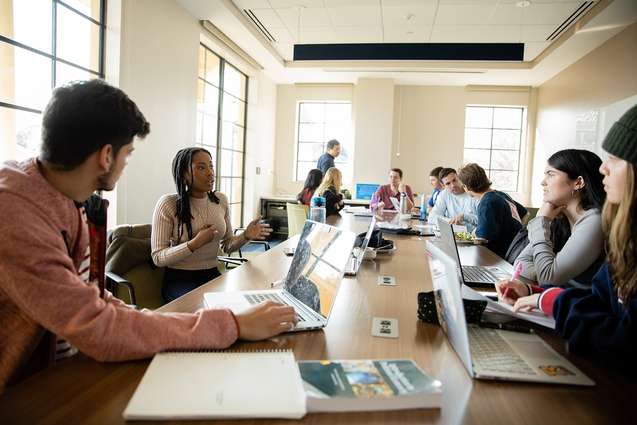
{"x": 621, "y": 140}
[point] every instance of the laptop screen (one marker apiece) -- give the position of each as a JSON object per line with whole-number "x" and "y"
{"x": 448, "y": 244}
{"x": 365, "y": 190}
{"x": 447, "y": 292}
{"x": 318, "y": 265}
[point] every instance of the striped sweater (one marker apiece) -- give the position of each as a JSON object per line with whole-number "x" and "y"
{"x": 170, "y": 249}
{"x": 40, "y": 288}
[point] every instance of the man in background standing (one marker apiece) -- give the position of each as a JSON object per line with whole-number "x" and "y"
{"x": 326, "y": 161}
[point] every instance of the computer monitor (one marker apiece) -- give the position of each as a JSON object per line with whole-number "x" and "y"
{"x": 365, "y": 190}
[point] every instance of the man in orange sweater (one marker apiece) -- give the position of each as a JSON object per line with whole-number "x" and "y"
{"x": 48, "y": 307}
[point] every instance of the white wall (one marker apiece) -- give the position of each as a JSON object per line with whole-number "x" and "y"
{"x": 158, "y": 70}
{"x": 373, "y": 111}
{"x": 159, "y": 54}
{"x": 571, "y": 105}
{"x": 262, "y": 96}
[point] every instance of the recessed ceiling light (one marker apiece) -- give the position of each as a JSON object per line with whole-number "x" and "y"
{"x": 523, "y": 3}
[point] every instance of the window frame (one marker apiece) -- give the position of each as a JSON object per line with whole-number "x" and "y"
{"x": 491, "y": 149}
{"x": 298, "y": 143}
{"x": 53, "y": 55}
{"x": 20, "y": 46}
{"x": 222, "y": 93}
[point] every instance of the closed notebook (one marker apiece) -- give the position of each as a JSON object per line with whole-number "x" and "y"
{"x": 365, "y": 385}
{"x": 209, "y": 385}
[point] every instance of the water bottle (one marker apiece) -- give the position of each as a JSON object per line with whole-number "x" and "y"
{"x": 317, "y": 209}
{"x": 403, "y": 203}
{"x": 423, "y": 208}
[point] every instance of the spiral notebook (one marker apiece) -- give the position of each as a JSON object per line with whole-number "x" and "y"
{"x": 210, "y": 385}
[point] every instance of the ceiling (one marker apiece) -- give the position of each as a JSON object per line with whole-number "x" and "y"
{"x": 423, "y": 21}
{"x": 290, "y": 22}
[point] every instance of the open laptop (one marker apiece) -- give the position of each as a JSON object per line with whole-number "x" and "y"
{"x": 366, "y": 190}
{"x": 312, "y": 282}
{"x": 489, "y": 353}
{"x": 356, "y": 258}
{"x": 471, "y": 275}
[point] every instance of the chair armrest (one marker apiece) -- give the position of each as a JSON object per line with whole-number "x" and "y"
{"x": 116, "y": 279}
{"x": 235, "y": 261}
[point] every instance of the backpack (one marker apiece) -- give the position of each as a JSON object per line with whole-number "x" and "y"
{"x": 375, "y": 241}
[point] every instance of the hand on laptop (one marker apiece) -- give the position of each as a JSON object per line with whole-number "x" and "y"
{"x": 265, "y": 320}
{"x": 510, "y": 290}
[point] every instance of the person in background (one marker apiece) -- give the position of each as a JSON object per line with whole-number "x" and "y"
{"x": 190, "y": 226}
{"x": 498, "y": 219}
{"x": 566, "y": 241}
{"x": 330, "y": 189}
{"x": 436, "y": 184}
{"x": 454, "y": 203}
{"x": 49, "y": 306}
{"x": 395, "y": 188}
{"x": 326, "y": 161}
{"x": 601, "y": 321}
{"x": 312, "y": 181}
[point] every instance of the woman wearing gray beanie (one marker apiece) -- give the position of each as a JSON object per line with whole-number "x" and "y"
{"x": 602, "y": 320}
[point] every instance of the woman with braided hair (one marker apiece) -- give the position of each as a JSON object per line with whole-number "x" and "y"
{"x": 191, "y": 225}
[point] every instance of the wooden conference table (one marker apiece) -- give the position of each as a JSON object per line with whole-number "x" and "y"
{"x": 81, "y": 390}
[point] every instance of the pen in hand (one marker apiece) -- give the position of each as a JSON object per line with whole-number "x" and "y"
{"x": 516, "y": 274}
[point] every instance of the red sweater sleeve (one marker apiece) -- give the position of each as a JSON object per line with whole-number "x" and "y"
{"x": 38, "y": 277}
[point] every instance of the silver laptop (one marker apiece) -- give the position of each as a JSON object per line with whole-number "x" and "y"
{"x": 312, "y": 281}
{"x": 356, "y": 258}
{"x": 489, "y": 353}
{"x": 471, "y": 275}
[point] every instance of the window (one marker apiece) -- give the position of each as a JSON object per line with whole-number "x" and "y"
{"x": 221, "y": 124}
{"x": 318, "y": 123}
{"x": 492, "y": 139}
{"x": 43, "y": 44}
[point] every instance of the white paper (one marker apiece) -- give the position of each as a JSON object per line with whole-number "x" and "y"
{"x": 199, "y": 385}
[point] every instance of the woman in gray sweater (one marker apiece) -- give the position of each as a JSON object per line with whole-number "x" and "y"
{"x": 566, "y": 242}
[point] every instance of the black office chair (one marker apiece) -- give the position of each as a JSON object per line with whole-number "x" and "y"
{"x": 232, "y": 261}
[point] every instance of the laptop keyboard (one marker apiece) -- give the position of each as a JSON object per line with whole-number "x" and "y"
{"x": 491, "y": 353}
{"x": 478, "y": 274}
{"x": 258, "y": 298}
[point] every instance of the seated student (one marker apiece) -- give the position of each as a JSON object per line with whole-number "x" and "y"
{"x": 191, "y": 225}
{"x": 396, "y": 187}
{"x": 312, "y": 181}
{"x": 601, "y": 320}
{"x": 436, "y": 184}
{"x": 454, "y": 203}
{"x": 498, "y": 219}
{"x": 330, "y": 189}
{"x": 48, "y": 307}
{"x": 566, "y": 239}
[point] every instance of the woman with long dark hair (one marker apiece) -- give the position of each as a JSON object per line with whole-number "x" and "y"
{"x": 565, "y": 239}
{"x": 601, "y": 320}
{"x": 191, "y": 225}
{"x": 312, "y": 181}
